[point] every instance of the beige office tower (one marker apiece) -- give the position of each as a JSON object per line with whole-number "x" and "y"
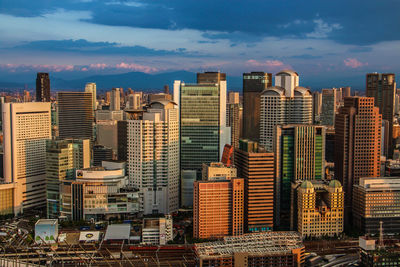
{"x": 153, "y": 157}
{"x": 115, "y": 102}
{"x": 91, "y": 88}
{"x": 135, "y": 101}
{"x": 284, "y": 103}
{"x": 320, "y": 208}
{"x": 26, "y": 127}
{"x": 233, "y": 98}
{"x": 218, "y": 171}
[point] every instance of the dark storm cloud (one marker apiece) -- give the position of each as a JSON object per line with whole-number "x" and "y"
{"x": 345, "y": 21}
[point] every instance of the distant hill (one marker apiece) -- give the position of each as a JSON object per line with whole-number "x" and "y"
{"x": 134, "y": 80}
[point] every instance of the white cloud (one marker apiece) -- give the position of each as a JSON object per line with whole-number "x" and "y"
{"x": 322, "y": 29}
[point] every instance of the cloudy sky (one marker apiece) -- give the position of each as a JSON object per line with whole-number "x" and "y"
{"x": 325, "y": 41}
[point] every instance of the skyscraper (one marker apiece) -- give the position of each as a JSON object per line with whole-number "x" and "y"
{"x": 382, "y": 87}
{"x": 300, "y": 155}
{"x": 203, "y": 130}
{"x": 26, "y": 126}
{"x": 256, "y": 167}
{"x": 234, "y": 112}
{"x": 357, "y": 144}
{"x": 153, "y": 157}
{"x": 285, "y": 103}
{"x": 328, "y": 107}
{"x": 317, "y": 106}
{"x": 253, "y": 84}
{"x": 42, "y": 87}
{"x": 63, "y": 158}
{"x": 75, "y": 115}
{"x": 115, "y": 102}
{"x": 91, "y": 88}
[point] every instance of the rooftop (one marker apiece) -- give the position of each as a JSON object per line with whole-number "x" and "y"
{"x": 254, "y": 243}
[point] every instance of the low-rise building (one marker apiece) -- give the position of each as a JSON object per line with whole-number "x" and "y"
{"x": 98, "y": 192}
{"x": 376, "y": 200}
{"x": 157, "y": 231}
{"x": 254, "y": 249}
{"x": 319, "y": 208}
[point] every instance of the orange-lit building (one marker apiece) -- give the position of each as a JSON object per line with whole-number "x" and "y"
{"x": 218, "y": 208}
{"x": 357, "y": 145}
{"x": 256, "y": 167}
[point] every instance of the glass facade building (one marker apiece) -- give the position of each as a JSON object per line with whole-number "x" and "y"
{"x": 200, "y": 125}
{"x": 300, "y": 155}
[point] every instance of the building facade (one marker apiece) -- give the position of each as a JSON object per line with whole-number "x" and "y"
{"x": 115, "y": 101}
{"x": 357, "y": 144}
{"x": 42, "y": 87}
{"x": 218, "y": 208}
{"x": 374, "y": 200}
{"x": 63, "y": 158}
{"x": 319, "y": 209}
{"x": 328, "y": 108}
{"x": 153, "y": 157}
{"x": 157, "y": 231}
{"x": 26, "y": 127}
{"x": 98, "y": 193}
{"x": 256, "y": 167}
{"x": 382, "y": 87}
{"x": 91, "y": 88}
{"x": 254, "y": 83}
{"x": 75, "y": 115}
{"x": 218, "y": 171}
{"x": 202, "y": 112}
{"x": 285, "y": 103}
{"x": 300, "y": 155}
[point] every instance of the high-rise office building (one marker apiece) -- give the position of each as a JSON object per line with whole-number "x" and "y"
{"x": 357, "y": 144}
{"x": 42, "y": 87}
{"x": 122, "y": 140}
{"x": 233, "y": 98}
{"x": 346, "y": 92}
{"x": 254, "y": 83}
{"x": 328, "y": 110}
{"x": 115, "y": 102}
{"x": 285, "y": 103}
{"x": 233, "y": 115}
{"x": 317, "y": 106}
{"x": 317, "y": 208}
{"x": 153, "y": 157}
{"x": 382, "y": 87}
{"x": 300, "y": 155}
{"x": 75, "y": 115}
{"x": 218, "y": 208}
{"x": 203, "y": 131}
{"x": 26, "y": 126}
{"x": 100, "y": 154}
{"x": 91, "y": 88}
{"x": 63, "y": 158}
{"x": 256, "y": 167}
{"x": 135, "y": 101}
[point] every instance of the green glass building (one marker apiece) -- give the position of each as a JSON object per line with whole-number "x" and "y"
{"x": 203, "y": 132}
{"x": 300, "y": 155}
{"x": 63, "y": 157}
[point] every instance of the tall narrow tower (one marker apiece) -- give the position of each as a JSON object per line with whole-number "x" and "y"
{"x": 42, "y": 87}
{"x": 357, "y": 144}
